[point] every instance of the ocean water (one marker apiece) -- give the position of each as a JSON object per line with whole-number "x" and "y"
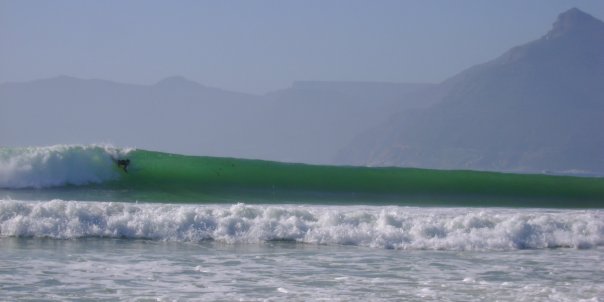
{"x": 151, "y": 270}
{"x": 74, "y": 226}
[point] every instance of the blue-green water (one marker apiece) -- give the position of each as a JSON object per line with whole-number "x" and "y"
{"x": 90, "y": 173}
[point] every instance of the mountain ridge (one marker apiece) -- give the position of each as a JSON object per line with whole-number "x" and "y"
{"x": 536, "y": 107}
{"x": 294, "y": 125}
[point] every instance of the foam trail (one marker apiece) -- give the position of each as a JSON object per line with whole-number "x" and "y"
{"x": 41, "y": 167}
{"x": 369, "y": 226}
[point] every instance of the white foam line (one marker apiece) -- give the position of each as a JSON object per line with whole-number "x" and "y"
{"x": 378, "y": 227}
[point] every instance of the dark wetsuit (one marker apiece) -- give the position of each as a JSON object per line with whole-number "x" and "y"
{"x": 123, "y": 163}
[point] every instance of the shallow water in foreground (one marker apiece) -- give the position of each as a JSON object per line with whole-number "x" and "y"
{"x": 144, "y": 270}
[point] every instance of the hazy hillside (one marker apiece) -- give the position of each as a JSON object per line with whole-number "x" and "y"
{"x": 307, "y": 122}
{"x": 311, "y": 121}
{"x": 95, "y": 111}
{"x": 539, "y": 106}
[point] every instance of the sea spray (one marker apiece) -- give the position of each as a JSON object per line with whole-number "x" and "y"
{"x": 60, "y": 165}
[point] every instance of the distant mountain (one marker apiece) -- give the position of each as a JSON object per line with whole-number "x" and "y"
{"x": 539, "y": 106}
{"x": 307, "y": 122}
{"x": 173, "y": 112}
{"x": 310, "y": 121}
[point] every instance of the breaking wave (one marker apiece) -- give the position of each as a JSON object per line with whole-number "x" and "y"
{"x": 60, "y": 165}
{"x": 71, "y": 172}
{"x": 407, "y": 228}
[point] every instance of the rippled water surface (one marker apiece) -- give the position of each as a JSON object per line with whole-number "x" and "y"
{"x": 125, "y": 269}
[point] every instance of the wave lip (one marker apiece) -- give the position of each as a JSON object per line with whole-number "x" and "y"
{"x": 59, "y": 165}
{"x": 377, "y": 227}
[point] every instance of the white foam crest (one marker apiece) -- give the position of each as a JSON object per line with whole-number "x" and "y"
{"x": 378, "y": 227}
{"x": 40, "y": 167}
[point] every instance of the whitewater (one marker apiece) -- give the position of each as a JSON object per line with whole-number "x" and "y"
{"x": 75, "y": 226}
{"x": 376, "y": 227}
{"x": 57, "y": 165}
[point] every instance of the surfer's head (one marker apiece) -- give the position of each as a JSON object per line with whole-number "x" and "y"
{"x": 123, "y": 163}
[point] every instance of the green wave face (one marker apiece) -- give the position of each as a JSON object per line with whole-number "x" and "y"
{"x": 162, "y": 177}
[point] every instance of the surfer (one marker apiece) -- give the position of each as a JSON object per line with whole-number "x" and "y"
{"x": 123, "y": 163}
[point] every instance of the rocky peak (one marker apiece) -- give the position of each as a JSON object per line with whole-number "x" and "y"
{"x": 575, "y": 20}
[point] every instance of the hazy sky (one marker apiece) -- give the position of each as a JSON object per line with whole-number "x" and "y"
{"x": 257, "y": 46}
